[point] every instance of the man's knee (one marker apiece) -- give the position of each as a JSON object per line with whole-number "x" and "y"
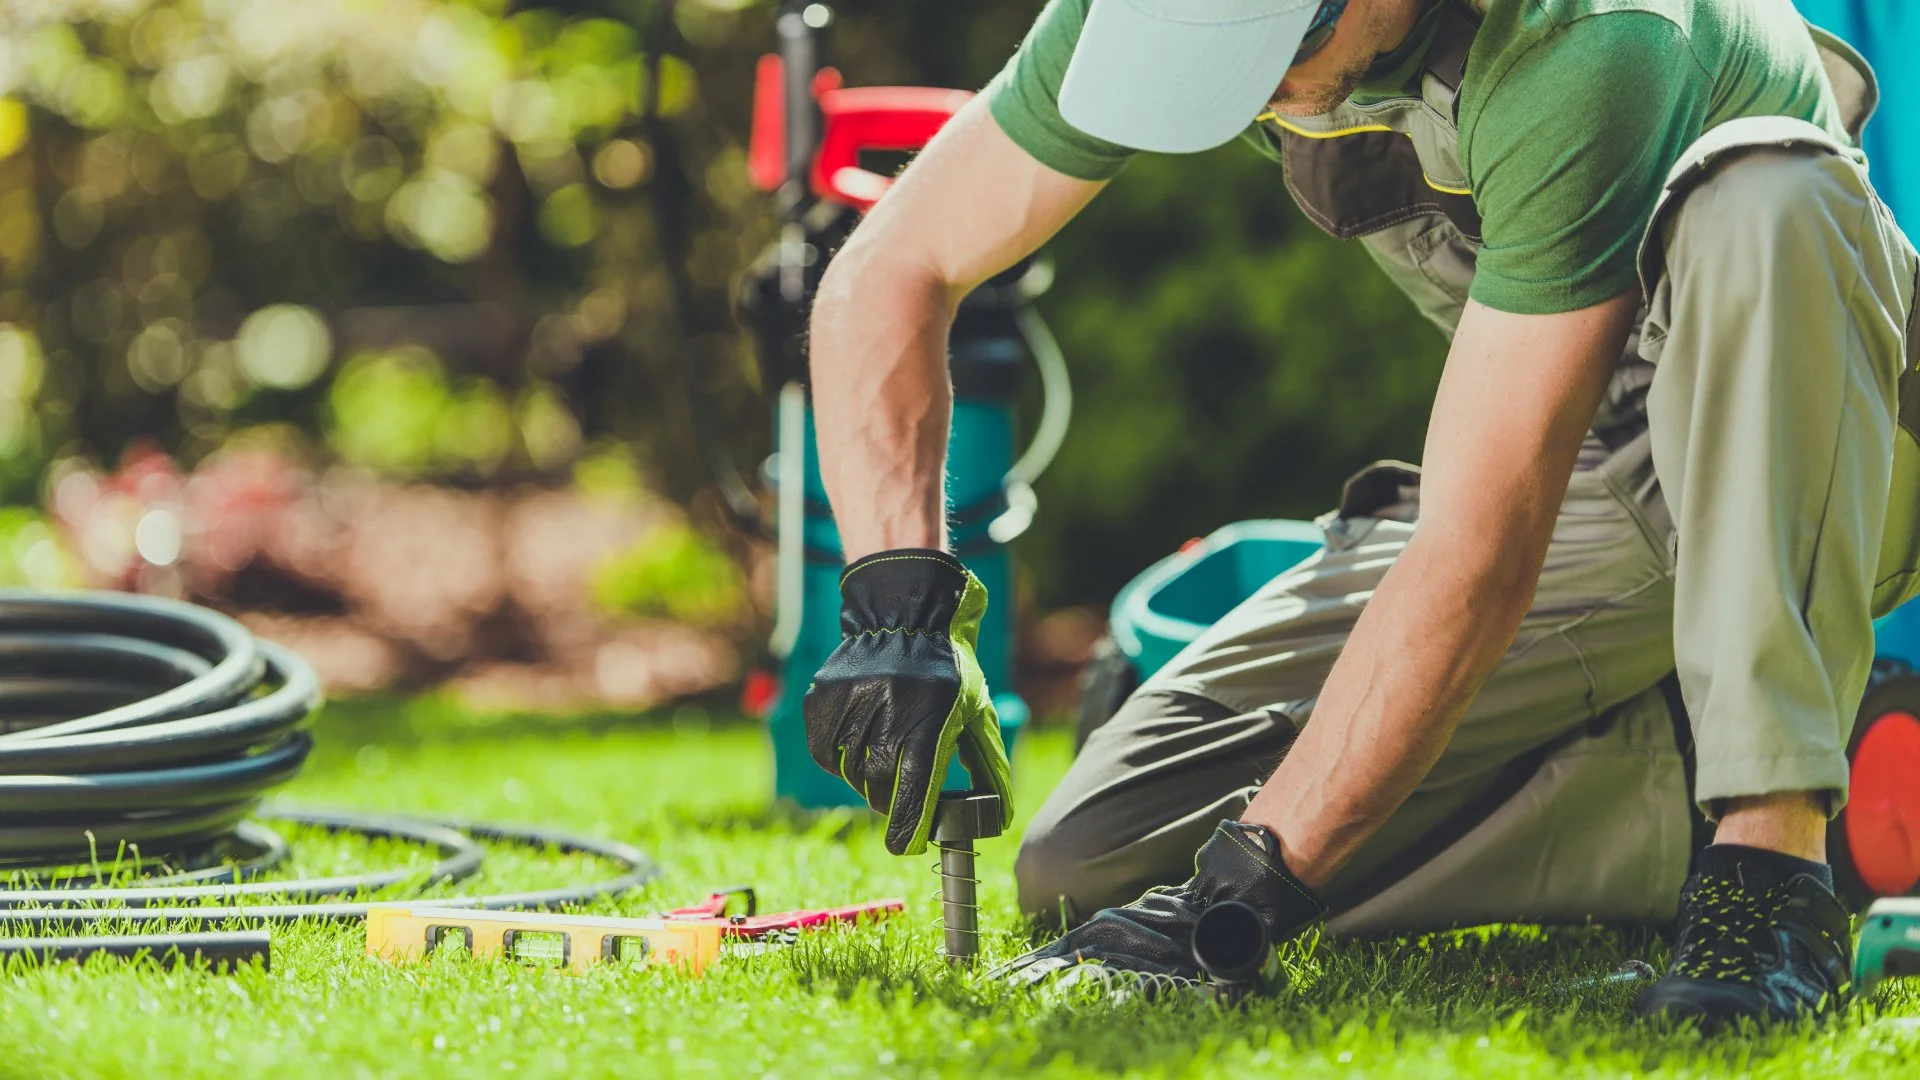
{"x": 1053, "y": 873}
{"x": 1065, "y": 866}
{"x": 1146, "y": 790}
{"x": 1068, "y": 870}
{"x": 1772, "y": 210}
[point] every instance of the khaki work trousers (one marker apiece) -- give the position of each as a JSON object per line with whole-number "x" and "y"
{"x": 1742, "y": 539}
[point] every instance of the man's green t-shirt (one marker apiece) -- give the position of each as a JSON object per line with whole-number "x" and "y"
{"x": 1571, "y": 114}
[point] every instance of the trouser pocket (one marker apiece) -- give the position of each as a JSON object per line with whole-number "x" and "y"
{"x": 1385, "y": 491}
{"x": 1389, "y": 490}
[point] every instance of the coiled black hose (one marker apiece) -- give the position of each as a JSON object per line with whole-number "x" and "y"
{"x": 137, "y": 723}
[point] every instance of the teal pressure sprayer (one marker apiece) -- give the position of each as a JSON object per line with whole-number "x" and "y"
{"x": 809, "y": 138}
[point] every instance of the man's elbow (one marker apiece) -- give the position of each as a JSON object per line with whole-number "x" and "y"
{"x": 1497, "y": 581}
{"x": 845, "y": 280}
{"x": 867, "y": 275}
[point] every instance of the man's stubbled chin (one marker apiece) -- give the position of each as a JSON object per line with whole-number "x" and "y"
{"x": 1290, "y": 100}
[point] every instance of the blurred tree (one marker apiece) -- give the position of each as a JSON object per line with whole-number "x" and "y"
{"x": 463, "y": 239}
{"x": 209, "y": 203}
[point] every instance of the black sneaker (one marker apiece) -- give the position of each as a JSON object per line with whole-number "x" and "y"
{"x": 1754, "y": 943}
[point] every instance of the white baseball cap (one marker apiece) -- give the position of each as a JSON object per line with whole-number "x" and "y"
{"x": 1178, "y": 76}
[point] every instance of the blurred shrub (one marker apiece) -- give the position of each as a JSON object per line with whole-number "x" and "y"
{"x": 437, "y": 233}
{"x": 674, "y": 572}
{"x": 204, "y": 202}
{"x": 398, "y": 413}
{"x": 32, "y": 554}
{"x": 22, "y": 373}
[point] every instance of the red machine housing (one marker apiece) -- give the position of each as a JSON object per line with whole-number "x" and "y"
{"x": 852, "y": 121}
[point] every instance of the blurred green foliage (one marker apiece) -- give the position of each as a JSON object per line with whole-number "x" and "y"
{"x": 30, "y": 556}
{"x": 674, "y": 572}
{"x": 221, "y": 213}
{"x": 437, "y": 232}
{"x": 398, "y": 413}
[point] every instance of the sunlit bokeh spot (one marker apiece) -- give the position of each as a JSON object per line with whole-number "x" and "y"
{"x": 21, "y": 370}
{"x": 284, "y": 345}
{"x": 443, "y": 212}
{"x": 465, "y": 149}
{"x": 192, "y": 88}
{"x": 13, "y": 126}
{"x": 157, "y": 357}
{"x": 620, "y": 163}
{"x": 547, "y": 429}
{"x": 20, "y": 363}
{"x": 568, "y": 217}
{"x": 157, "y": 537}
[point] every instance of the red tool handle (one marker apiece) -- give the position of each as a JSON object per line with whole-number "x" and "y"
{"x": 713, "y": 910}
{"x": 759, "y": 926}
{"x": 716, "y": 904}
{"x": 767, "y": 142}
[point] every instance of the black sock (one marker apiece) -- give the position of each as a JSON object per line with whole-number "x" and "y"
{"x": 1721, "y": 859}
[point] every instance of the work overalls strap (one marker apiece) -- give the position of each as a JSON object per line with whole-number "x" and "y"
{"x": 1406, "y": 149}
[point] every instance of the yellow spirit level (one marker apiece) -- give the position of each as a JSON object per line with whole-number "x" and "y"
{"x": 689, "y": 937}
{"x": 399, "y": 933}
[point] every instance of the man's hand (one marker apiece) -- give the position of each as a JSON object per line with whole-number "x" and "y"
{"x": 1148, "y": 944}
{"x": 1514, "y": 404}
{"x": 903, "y": 692}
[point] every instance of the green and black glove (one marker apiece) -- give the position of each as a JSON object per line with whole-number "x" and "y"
{"x": 903, "y": 692}
{"x": 1147, "y": 947}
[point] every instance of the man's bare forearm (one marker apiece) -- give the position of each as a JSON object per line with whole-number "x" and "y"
{"x": 971, "y": 205}
{"x": 1513, "y": 406}
{"x": 882, "y": 400}
{"x": 1432, "y": 632}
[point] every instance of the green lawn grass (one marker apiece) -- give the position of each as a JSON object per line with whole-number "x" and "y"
{"x": 875, "y": 1002}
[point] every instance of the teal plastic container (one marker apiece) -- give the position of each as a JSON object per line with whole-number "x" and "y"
{"x": 980, "y": 450}
{"x": 1162, "y": 610}
{"x": 1899, "y": 635}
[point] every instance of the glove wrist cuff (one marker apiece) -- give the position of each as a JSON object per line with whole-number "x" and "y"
{"x": 904, "y": 589}
{"x": 1242, "y": 862}
{"x": 903, "y": 562}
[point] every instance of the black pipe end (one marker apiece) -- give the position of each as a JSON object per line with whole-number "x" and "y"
{"x": 1230, "y": 942}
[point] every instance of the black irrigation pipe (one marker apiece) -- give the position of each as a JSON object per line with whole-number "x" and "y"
{"x": 221, "y": 952}
{"x": 66, "y": 909}
{"x": 184, "y": 722}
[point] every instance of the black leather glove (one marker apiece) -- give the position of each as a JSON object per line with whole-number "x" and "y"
{"x": 903, "y": 692}
{"x": 1150, "y": 942}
